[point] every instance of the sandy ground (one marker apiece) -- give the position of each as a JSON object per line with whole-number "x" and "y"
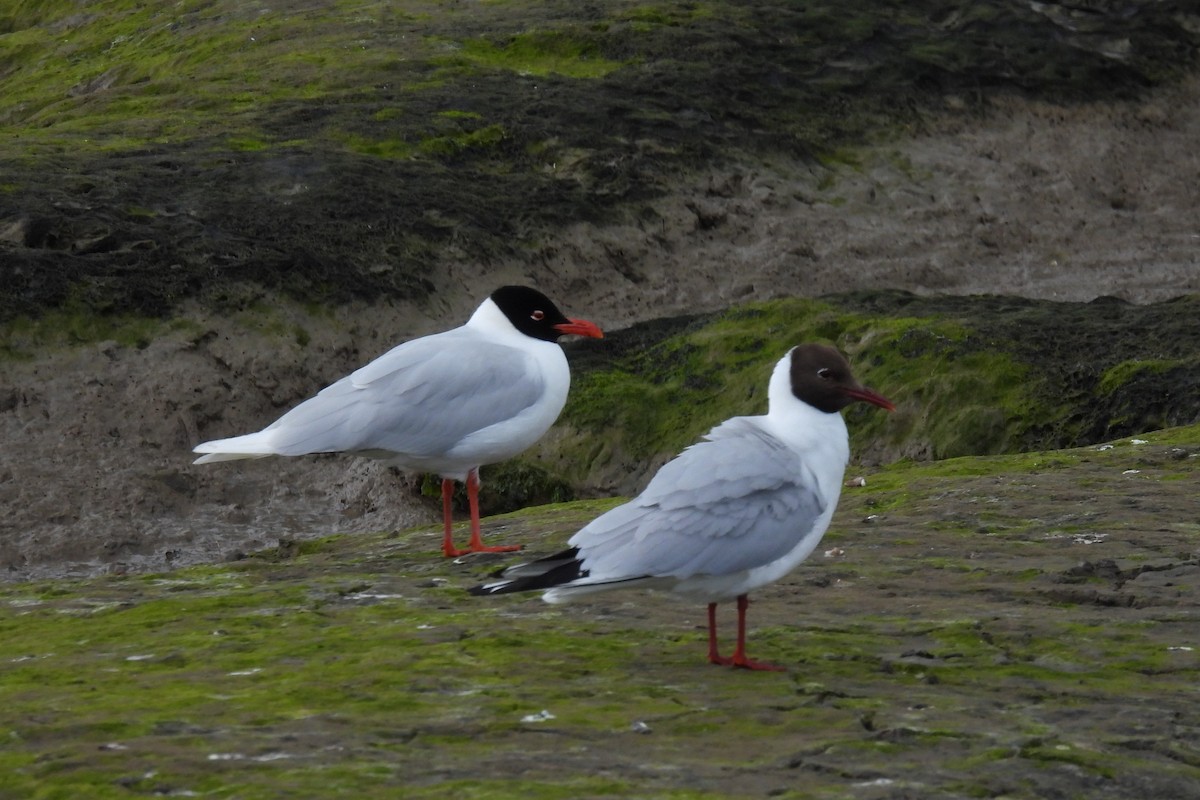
{"x": 1032, "y": 200}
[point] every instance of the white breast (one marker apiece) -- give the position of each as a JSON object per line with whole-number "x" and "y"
{"x": 510, "y": 437}
{"x": 822, "y": 446}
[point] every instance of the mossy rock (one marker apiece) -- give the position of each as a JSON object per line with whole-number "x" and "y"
{"x": 970, "y": 376}
{"x": 986, "y": 626}
{"x": 337, "y": 154}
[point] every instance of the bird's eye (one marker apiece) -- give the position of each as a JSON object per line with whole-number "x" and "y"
{"x": 538, "y": 316}
{"x": 825, "y": 373}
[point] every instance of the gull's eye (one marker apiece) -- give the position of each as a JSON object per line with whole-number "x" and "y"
{"x": 538, "y": 316}
{"x": 825, "y": 373}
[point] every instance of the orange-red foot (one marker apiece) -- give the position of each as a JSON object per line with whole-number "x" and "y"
{"x": 739, "y": 659}
{"x": 746, "y": 663}
{"x": 741, "y": 662}
{"x": 454, "y": 552}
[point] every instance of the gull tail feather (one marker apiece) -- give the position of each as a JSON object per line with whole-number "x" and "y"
{"x": 562, "y": 576}
{"x": 541, "y": 574}
{"x": 252, "y": 445}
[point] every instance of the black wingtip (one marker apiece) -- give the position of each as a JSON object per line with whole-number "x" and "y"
{"x": 556, "y": 570}
{"x": 487, "y": 588}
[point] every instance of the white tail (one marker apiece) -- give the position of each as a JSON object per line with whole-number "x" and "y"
{"x": 252, "y": 445}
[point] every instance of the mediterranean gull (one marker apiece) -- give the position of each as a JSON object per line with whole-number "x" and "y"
{"x": 446, "y": 403}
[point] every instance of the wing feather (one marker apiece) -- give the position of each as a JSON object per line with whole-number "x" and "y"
{"x": 420, "y": 399}
{"x": 737, "y": 500}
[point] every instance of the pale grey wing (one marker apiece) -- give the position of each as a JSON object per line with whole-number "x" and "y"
{"x": 420, "y": 399}
{"x": 739, "y": 500}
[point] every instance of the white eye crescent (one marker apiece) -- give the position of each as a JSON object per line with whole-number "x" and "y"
{"x": 538, "y": 316}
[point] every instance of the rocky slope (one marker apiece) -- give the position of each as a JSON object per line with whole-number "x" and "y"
{"x": 210, "y": 211}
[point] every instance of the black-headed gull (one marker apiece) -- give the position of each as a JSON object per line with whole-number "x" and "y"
{"x": 734, "y": 512}
{"x": 446, "y": 403}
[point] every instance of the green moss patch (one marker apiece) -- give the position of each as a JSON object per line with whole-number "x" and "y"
{"x": 954, "y": 397}
{"x": 944, "y": 657}
{"x": 246, "y": 124}
{"x": 1119, "y": 375}
{"x": 572, "y": 54}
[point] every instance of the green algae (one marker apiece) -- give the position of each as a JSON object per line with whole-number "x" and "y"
{"x": 211, "y": 95}
{"x": 481, "y": 139}
{"x": 960, "y": 371}
{"x": 357, "y": 664}
{"x": 1122, "y": 374}
{"x": 180, "y": 70}
{"x": 573, "y": 54}
{"x": 24, "y": 338}
{"x": 953, "y": 396}
{"x": 176, "y": 73}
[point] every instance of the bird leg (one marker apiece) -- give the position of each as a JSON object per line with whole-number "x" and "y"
{"x": 739, "y": 655}
{"x": 476, "y": 544}
{"x": 714, "y": 656}
{"x": 448, "y": 548}
{"x": 739, "y": 658}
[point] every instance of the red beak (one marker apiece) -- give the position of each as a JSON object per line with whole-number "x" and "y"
{"x": 580, "y": 327}
{"x": 868, "y": 396}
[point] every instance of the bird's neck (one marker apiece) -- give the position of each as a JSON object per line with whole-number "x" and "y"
{"x": 489, "y": 319}
{"x": 800, "y": 425}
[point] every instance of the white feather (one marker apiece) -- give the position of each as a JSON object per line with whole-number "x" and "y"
{"x": 445, "y": 403}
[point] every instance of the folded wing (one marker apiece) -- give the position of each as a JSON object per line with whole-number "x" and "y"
{"x": 738, "y": 500}
{"x": 420, "y": 399}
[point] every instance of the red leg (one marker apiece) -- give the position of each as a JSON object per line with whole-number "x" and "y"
{"x": 448, "y": 548}
{"x": 739, "y": 655}
{"x": 476, "y": 544}
{"x": 714, "y": 656}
